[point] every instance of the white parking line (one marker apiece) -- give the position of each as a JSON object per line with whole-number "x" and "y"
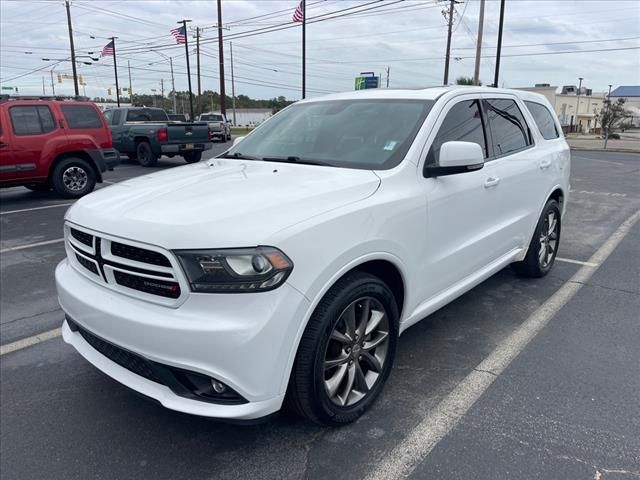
{"x": 29, "y": 341}
{"x": 403, "y": 459}
{"x": 37, "y": 208}
{"x": 577, "y": 262}
{"x": 31, "y": 245}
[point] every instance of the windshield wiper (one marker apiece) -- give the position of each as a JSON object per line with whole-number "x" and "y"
{"x": 292, "y": 159}
{"x": 239, "y": 156}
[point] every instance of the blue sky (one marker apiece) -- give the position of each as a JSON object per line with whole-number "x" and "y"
{"x": 407, "y": 36}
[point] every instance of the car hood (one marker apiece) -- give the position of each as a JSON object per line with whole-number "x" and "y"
{"x": 220, "y": 203}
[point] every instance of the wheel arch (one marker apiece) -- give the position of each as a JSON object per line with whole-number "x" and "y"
{"x": 76, "y": 154}
{"x": 383, "y": 265}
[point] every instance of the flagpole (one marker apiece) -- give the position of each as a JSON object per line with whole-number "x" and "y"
{"x": 304, "y": 48}
{"x": 186, "y": 49}
{"x": 115, "y": 69}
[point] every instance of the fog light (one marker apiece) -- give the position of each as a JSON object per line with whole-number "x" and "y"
{"x": 218, "y": 387}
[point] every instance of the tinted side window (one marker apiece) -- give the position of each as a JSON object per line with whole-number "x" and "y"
{"x": 463, "y": 123}
{"x": 31, "y": 120}
{"x": 116, "y": 117}
{"x": 146, "y": 115}
{"x": 81, "y": 116}
{"x": 544, "y": 120}
{"x": 508, "y": 128}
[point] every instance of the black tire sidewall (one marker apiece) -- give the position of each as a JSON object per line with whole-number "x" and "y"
{"x": 530, "y": 266}
{"x": 192, "y": 157}
{"x": 358, "y": 286}
{"x": 58, "y": 182}
{"x": 143, "y": 149}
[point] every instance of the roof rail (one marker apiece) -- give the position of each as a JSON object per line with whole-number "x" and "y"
{"x": 6, "y": 98}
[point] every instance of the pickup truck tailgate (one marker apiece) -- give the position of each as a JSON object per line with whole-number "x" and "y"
{"x": 187, "y": 133}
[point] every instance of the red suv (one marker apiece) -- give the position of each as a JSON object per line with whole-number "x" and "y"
{"x": 54, "y": 143}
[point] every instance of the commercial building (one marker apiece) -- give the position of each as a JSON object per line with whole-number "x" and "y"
{"x": 576, "y": 110}
{"x": 631, "y": 95}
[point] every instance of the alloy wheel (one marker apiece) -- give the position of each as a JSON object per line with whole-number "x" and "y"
{"x": 548, "y": 239}
{"x": 356, "y": 352}
{"x": 75, "y": 179}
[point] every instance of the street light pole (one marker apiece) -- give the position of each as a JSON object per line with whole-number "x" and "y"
{"x": 223, "y": 106}
{"x": 115, "y": 69}
{"x": 499, "y": 48}
{"x": 606, "y": 133}
{"x": 53, "y": 86}
{"x": 233, "y": 86}
{"x": 173, "y": 85}
{"x": 186, "y": 49}
{"x": 476, "y": 71}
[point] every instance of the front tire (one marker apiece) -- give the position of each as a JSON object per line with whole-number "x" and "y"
{"x": 145, "y": 155}
{"x": 544, "y": 244}
{"x": 73, "y": 178}
{"x": 346, "y": 352}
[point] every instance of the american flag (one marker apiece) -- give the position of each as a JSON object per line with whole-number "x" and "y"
{"x": 180, "y": 34}
{"x": 107, "y": 50}
{"x": 298, "y": 15}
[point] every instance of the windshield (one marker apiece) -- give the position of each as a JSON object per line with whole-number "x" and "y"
{"x": 146, "y": 115}
{"x": 211, "y": 118}
{"x": 370, "y": 134}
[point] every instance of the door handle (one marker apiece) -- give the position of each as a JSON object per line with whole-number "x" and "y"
{"x": 491, "y": 182}
{"x": 545, "y": 164}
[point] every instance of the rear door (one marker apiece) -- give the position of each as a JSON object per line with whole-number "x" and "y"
{"x": 33, "y": 128}
{"x": 513, "y": 167}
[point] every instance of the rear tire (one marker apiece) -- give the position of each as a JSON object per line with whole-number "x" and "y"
{"x": 38, "y": 187}
{"x": 145, "y": 155}
{"x": 192, "y": 157}
{"x": 543, "y": 247}
{"x": 73, "y": 177}
{"x": 346, "y": 352}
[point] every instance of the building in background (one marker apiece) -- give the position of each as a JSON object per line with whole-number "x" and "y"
{"x": 249, "y": 117}
{"x": 577, "y": 113}
{"x": 631, "y": 95}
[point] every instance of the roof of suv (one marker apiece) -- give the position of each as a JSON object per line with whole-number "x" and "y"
{"x": 431, "y": 93}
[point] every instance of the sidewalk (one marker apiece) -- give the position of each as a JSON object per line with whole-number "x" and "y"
{"x": 591, "y": 143}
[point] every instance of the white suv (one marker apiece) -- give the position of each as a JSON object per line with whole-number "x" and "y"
{"x": 289, "y": 265}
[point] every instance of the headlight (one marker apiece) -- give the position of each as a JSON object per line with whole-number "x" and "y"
{"x": 235, "y": 270}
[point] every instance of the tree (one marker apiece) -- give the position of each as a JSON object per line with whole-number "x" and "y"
{"x": 465, "y": 81}
{"x": 612, "y": 114}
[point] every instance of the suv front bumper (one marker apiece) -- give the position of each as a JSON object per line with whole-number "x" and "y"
{"x": 244, "y": 340}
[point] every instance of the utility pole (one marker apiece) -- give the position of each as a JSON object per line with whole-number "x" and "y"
{"x": 388, "y": 70}
{"x": 198, "y": 57}
{"x": 173, "y": 86}
{"x": 43, "y": 90}
{"x": 73, "y": 50}
{"x": 130, "y": 87}
{"x": 304, "y": 48}
{"x": 499, "y": 49}
{"x": 223, "y": 106}
{"x": 233, "y": 86}
{"x": 606, "y": 132}
{"x": 476, "y": 71}
{"x": 115, "y": 69}
{"x": 448, "y": 54}
{"x": 186, "y": 50}
{"x": 162, "y": 93}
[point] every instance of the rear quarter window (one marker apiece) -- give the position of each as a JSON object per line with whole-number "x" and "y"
{"x": 544, "y": 120}
{"x": 81, "y": 116}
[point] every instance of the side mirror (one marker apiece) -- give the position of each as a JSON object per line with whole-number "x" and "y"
{"x": 456, "y": 157}
{"x": 237, "y": 140}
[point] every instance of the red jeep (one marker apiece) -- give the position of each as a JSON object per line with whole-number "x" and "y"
{"x": 54, "y": 143}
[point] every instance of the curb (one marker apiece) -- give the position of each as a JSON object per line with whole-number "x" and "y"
{"x": 614, "y": 150}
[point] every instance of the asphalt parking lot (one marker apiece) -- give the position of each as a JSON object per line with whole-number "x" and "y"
{"x": 566, "y": 407}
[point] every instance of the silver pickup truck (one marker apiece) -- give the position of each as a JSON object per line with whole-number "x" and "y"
{"x": 218, "y": 125}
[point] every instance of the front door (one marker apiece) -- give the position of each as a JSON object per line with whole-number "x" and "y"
{"x": 459, "y": 221}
